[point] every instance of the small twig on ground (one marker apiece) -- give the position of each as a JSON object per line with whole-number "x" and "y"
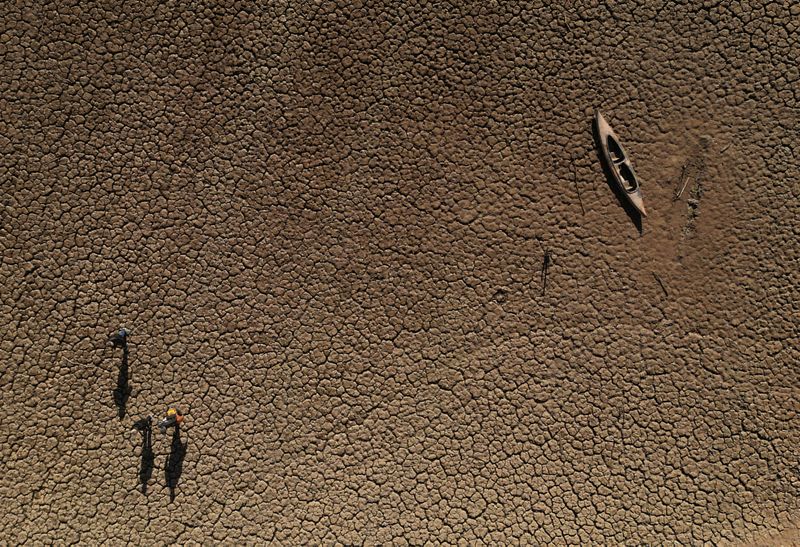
{"x": 660, "y": 284}
{"x": 683, "y": 180}
{"x": 71, "y": 362}
{"x": 726, "y": 147}
{"x": 566, "y": 22}
{"x": 686, "y": 182}
{"x": 546, "y": 261}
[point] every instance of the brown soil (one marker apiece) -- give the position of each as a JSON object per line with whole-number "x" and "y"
{"x": 325, "y": 225}
{"x": 790, "y": 537}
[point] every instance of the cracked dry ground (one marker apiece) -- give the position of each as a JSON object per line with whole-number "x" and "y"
{"x": 325, "y": 225}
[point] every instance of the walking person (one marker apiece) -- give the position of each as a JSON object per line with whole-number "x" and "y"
{"x": 173, "y": 418}
{"x": 120, "y": 338}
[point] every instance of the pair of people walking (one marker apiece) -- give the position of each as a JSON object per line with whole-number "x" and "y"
{"x": 174, "y": 464}
{"x": 172, "y": 418}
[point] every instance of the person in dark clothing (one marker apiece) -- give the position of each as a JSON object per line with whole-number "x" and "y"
{"x": 143, "y": 425}
{"x": 120, "y": 338}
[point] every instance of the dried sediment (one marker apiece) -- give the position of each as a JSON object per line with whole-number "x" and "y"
{"x": 325, "y": 223}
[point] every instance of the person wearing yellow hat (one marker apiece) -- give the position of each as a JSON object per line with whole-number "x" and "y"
{"x": 173, "y": 418}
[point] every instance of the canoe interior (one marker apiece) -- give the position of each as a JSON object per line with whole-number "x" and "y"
{"x": 627, "y": 178}
{"x": 615, "y": 151}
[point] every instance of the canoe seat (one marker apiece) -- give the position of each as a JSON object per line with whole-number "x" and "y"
{"x": 628, "y": 178}
{"x": 615, "y": 150}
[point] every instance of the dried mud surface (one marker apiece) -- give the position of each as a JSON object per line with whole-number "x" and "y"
{"x": 325, "y": 225}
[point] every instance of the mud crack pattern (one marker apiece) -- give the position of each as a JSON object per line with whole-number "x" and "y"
{"x": 325, "y": 225}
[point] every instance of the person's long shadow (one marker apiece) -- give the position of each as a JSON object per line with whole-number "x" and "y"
{"x": 123, "y": 390}
{"x": 633, "y": 213}
{"x": 174, "y": 466}
{"x": 145, "y": 427}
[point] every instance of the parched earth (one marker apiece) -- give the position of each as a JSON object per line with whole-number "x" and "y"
{"x": 326, "y": 227}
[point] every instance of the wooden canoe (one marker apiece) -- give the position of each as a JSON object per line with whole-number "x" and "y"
{"x": 619, "y": 163}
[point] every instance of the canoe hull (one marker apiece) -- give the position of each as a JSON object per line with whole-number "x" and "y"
{"x": 619, "y": 164}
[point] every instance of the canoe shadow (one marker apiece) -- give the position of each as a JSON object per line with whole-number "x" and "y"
{"x": 633, "y": 213}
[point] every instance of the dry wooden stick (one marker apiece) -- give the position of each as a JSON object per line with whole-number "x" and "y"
{"x": 684, "y": 187}
{"x": 566, "y": 22}
{"x": 71, "y": 362}
{"x": 685, "y": 180}
{"x": 660, "y": 283}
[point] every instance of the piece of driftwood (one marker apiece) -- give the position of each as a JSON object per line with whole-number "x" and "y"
{"x": 660, "y": 283}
